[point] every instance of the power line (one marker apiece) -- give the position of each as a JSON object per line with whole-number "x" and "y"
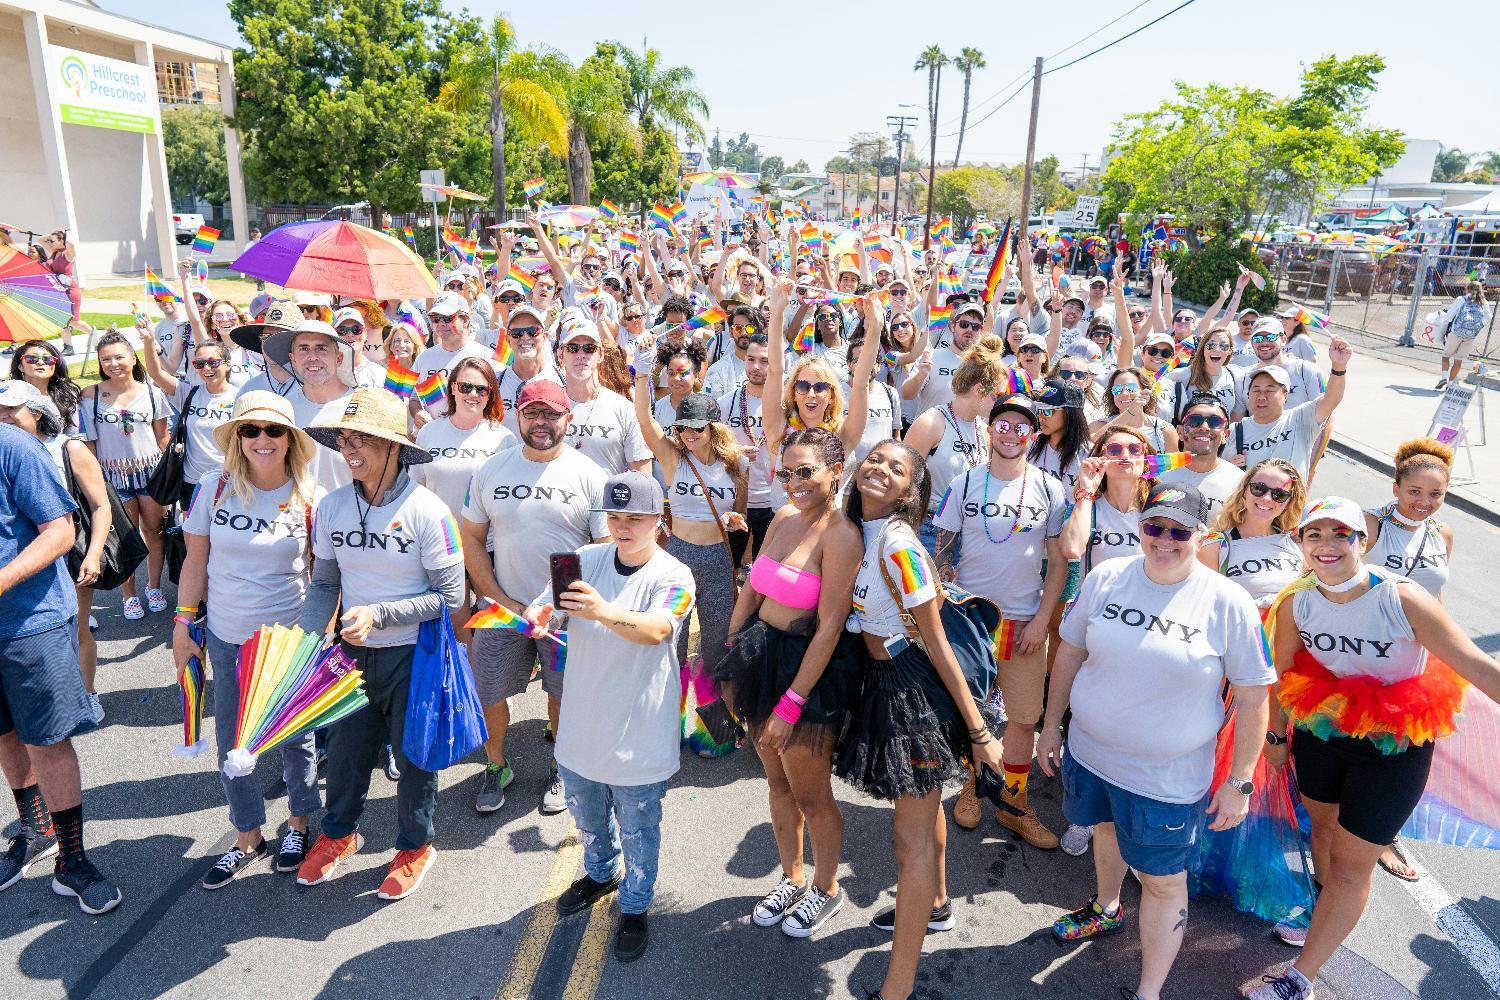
{"x": 975, "y": 106}
{"x": 1122, "y": 38}
{"x": 980, "y": 121}
{"x": 1096, "y": 31}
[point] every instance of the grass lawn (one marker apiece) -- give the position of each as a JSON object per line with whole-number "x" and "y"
{"x": 236, "y": 289}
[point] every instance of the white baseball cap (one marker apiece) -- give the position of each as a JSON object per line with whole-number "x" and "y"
{"x": 1336, "y": 509}
{"x": 449, "y": 304}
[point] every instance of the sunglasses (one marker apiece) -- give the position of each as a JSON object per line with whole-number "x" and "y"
{"x": 898, "y": 293}
{"x": 1263, "y": 490}
{"x": 454, "y": 286}
{"x": 592, "y": 268}
{"x": 510, "y": 299}
{"x": 1046, "y": 412}
{"x": 1157, "y": 352}
{"x": 350, "y": 330}
{"x": 471, "y": 388}
{"x": 1033, "y": 349}
{"x": 1265, "y": 338}
{"x": 635, "y": 315}
{"x": 1218, "y": 345}
{"x": 249, "y": 432}
{"x": 519, "y": 333}
{"x": 1137, "y": 315}
{"x": 965, "y": 324}
{"x": 581, "y": 348}
{"x": 1121, "y": 390}
{"x": 804, "y": 386}
{"x": 1210, "y": 420}
{"x": 1157, "y": 530}
{"x": 1118, "y": 450}
{"x": 309, "y": 312}
{"x": 1077, "y": 376}
{"x": 1183, "y": 319}
{"x": 828, "y": 318}
{"x": 1102, "y": 333}
{"x": 902, "y": 326}
{"x": 804, "y": 473}
{"x": 45, "y": 360}
{"x": 1248, "y": 322}
{"x": 542, "y": 413}
{"x": 213, "y": 364}
{"x": 1020, "y": 428}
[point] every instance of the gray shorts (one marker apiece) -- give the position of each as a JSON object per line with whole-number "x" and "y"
{"x": 502, "y": 662}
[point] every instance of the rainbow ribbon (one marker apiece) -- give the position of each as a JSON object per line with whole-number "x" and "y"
{"x": 204, "y": 239}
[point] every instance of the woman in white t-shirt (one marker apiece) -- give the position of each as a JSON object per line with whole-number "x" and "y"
{"x": 463, "y": 438}
{"x": 1208, "y": 372}
{"x": 202, "y": 405}
{"x": 125, "y": 420}
{"x": 248, "y": 558}
{"x": 1116, "y": 511}
{"x": 916, "y": 721}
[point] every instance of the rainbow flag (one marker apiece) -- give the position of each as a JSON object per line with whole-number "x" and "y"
{"x": 609, "y": 209}
{"x": 992, "y": 280}
{"x": 677, "y": 601}
{"x": 661, "y": 217}
{"x": 468, "y": 248}
{"x": 889, "y": 359}
{"x": 504, "y": 353}
{"x": 629, "y": 242}
{"x": 854, "y": 219}
{"x": 708, "y": 317}
{"x": 803, "y": 342}
{"x": 1017, "y": 382}
{"x": 679, "y": 213}
{"x": 411, "y": 237}
{"x": 937, "y": 318}
{"x": 944, "y": 228}
{"x": 1316, "y": 320}
{"x": 453, "y": 241}
{"x": 521, "y": 276}
{"x": 1157, "y": 464}
{"x": 399, "y": 379}
{"x": 430, "y": 389}
{"x": 192, "y": 681}
{"x": 158, "y": 289}
{"x": 1005, "y": 638}
{"x": 533, "y": 187}
{"x": 204, "y": 239}
{"x": 497, "y": 617}
{"x": 913, "y": 569}
{"x": 948, "y": 283}
{"x": 811, "y": 237}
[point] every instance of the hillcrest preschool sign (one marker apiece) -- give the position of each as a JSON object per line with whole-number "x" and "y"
{"x": 102, "y": 92}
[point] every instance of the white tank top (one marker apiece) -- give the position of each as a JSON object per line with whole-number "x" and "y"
{"x": 1419, "y": 553}
{"x": 1367, "y": 637}
{"x": 960, "y": 449}
{"x": 685, "y": 494}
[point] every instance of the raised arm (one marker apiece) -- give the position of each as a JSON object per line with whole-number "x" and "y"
{"x": 656, "y": 438}
{"x": 859, "y": 377}
{"x": 548, "y": 251}
{"x": 1339, "y": 353}
{"x": 190, "y": 304}
{"x": 1207, "y": 322}
{"x": 152, "y": 359}
{"x": 772, "y": 418}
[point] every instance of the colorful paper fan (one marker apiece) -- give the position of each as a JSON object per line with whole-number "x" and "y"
{"x": 33, "y": 302}
{"x": 289, "y": 686}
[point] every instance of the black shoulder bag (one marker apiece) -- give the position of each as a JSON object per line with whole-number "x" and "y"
{"x": 124, "y": 548}
{"x": 165, "y": 484}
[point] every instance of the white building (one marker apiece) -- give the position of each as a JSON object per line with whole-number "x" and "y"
{"x": 80, "y": 132}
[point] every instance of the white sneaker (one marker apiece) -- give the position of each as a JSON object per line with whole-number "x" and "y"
{"x": 156, "y": 601}
{"x": 1288, "y": 985}
{"x": 96, "y": 707}
{"x": 1293, "y": 930}
{"x": 132, "y": 610}
{"x": 1076, "y": 840}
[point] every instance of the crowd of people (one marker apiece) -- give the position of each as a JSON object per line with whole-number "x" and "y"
{"x": 820, "y": 460}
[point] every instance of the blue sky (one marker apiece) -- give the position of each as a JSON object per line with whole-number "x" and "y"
{"x": 801, "y": 77}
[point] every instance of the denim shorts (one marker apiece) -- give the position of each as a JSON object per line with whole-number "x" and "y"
{"x": 1155, "y": 837}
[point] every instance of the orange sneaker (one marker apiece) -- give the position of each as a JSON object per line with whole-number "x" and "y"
{"x": 407, "y": 870}
{"x": 325, "y": 857}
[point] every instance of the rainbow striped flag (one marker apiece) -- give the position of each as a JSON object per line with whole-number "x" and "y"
{"x": 204, "y": 239}
{"x": 430, "y": 389}
{"x": 944, "y": 228}
{"x": 661, "y": 217}
{"x": 521, "y": 276}
{"x": 1157, "y": 464}
{"x": 497, "y": 617}
{"x": 629, "y": 242}
{"x": 854, "y": 219}
{"x": 708, "y": 317}
{"x": 1017, "y": 381}
{"x": 399, "y": 379}
{"x": 158, "y": 289}
{"x": 411, "y": 237}
{"x": 889, "y": 359}
{"x": 468, "y": 248}
{"x": 948, "y": 283}
{"x": 937, "y": 318}
{"x": 609, "y": 209}
{"x": 1005, "y": 638}
{"x": 679, "y": 213}
{"x": 803, "y": 342}
{"x": 913, "y": 570}
{"x": 533, "y": 187}
{"x": 504, "y": 353}
{"x": 1316, "y": 320}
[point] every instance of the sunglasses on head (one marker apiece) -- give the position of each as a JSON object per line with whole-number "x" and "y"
{"x": 1265, "y": 338}
{"x": 803, "y": 472}
{"x": 1019, "y": 428}
{"x": 589, "y": 348}
{"x": 1274, "y": 492}
{"x": 471, "y": 388}
{"x": 804, "y": 386}
{"x": 1117, "y": 449}
{"x": 38, "y": 359}
{"x": 1157, "y": 530}
{"x": 249, "y": 432}
{"x": 968, "y": 324}
{"x": 1210, "y": 420}
{"x": 213, "y": 364}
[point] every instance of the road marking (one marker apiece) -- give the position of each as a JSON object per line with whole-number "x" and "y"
{"x": 593, "y": 952}
{"x": 1476, "y": 947}
{"x": 532, "y": 948}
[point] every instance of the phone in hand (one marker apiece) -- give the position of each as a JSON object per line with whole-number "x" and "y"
{"x": 567, "y": 569}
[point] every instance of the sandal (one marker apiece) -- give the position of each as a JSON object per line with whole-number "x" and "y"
{"x": 1411, "y": 874}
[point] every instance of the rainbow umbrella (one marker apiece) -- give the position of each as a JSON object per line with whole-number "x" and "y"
{"x": 723, "y": 178}
{"x": 33, "y": 303}
{"x": 340, "y": 258}
{"x": 569, "y": 216}
{"x": 192, "y": 680}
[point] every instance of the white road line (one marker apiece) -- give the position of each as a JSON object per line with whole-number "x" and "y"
{"x": 1475, "y": 946}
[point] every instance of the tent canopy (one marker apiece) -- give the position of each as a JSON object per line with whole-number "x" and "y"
{"x": 1391, "y": 214}
{"x": 1484, "y": 204}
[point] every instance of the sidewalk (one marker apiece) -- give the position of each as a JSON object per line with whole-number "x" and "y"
{"x": 1391, "y": 399}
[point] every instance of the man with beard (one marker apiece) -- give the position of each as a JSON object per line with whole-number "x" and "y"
{"x": 322, "y": 366}
{"x": 931, "y": 382}
{"x": 1203, "y": 429}
{"x": 527, "y": 336}
{"x": 741, "y": 409}
{"x": 604, "y": 426}
{"x": 525, "y": 504}
{"x": 729, "y": 370}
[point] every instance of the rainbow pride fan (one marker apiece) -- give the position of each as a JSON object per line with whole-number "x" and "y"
{"x": 191, "y": 680}
{"x": 289, "y": 685}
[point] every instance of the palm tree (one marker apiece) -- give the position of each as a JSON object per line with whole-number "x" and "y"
{"x": 593, "y": 95}
{"x": 667, "y": 97}
{"x": 966, "y": 62}
{"x": 513, "y": 83}
{"x": 933, "y": 61}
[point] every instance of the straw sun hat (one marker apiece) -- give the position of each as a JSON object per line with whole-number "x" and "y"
{"x": 263, "y": 407}
{"x": 374, "y": 412}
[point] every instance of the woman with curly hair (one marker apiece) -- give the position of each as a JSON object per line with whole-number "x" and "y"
{"x": 682, "y": 367}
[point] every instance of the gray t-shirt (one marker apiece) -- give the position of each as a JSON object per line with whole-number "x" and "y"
{"x": 1291, "y": 436}
{"x": 1216, "y": 485}
{"x": 1003, "y": 526}
{"x": 511, "y": 385}
{"x": 384, "y": 553}
{"x": 206, "y": 412}
{"x": 535, "y": 509}
{"x": 257, "y": 559}
{"x": 1146, "y": 703}
{"x": 620, "y": 722}
{"x": 328, "y": 466}
{"x": 606, "y": 430}
{"x": 1307, "y": 382}
{"x": 440, "y": 359}
{"x": 456, "y": 455}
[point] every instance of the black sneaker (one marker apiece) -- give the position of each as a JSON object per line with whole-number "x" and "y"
{"x": 770, "y": 911}
{"x": 292, "y": 851}
{"x": 95, "y": 893}
{"x": 941, "y": 919}
{"x": 631, "y": 939}
{"x": 68, "y": 353}
{"x": 233, "y": 864}
{"x": 581, "y": 894}
{"x": 24, "y": 848}
{"x": 392, "y": 772}
{"x": 815, "y": 910}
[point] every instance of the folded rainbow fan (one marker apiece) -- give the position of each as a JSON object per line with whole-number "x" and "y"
{"x": 289, "y": 686}
{"x": 191, "y": 680}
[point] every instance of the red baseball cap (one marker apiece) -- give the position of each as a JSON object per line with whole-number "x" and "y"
{"x": 544, "y": 391}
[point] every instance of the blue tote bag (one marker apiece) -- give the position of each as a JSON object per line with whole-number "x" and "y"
{"x": 444, "y": 720}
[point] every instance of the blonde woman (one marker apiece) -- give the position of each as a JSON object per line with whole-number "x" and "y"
{"x": 403, "y": 342}
{"x": 1253, "y": 541}
{"x": 1130, "y": 402}
{"x": 247, "y": 555}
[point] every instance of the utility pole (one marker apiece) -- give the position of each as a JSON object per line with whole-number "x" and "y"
{"x": 844, "y": 180}
{"x": 899, "y": 123}
{"x": 1036, "y": 103}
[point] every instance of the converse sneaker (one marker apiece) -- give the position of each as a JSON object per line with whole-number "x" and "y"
{"x": 1075, "y": 840}
{"x": 554, "y": 800}
{"x": 233, "y": 864}
{"x": 292, "y": 851}
{"x": 941, "y": 919}
{"x": 1089, "y": 922}
{"x": 815, "y": 910}
{"x": 1289, "y": 985}
{"x": 25, "y": 848}
{"x": 95, "y": 893}
{"x": 769, "y": 911}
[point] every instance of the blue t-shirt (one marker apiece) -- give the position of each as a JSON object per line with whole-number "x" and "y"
{"x": 31, "y": 493}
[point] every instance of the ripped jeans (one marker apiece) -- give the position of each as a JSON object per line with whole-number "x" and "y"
{"x": 615, "y": 820}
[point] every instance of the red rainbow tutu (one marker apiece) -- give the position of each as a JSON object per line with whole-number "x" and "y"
{"x": 1418, "y": 710}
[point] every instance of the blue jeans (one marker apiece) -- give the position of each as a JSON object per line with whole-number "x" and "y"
{"x": 615, "y": 820}
{"x": 247, "y": 806}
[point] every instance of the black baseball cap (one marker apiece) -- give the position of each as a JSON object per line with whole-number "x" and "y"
{"x": 632, "y": 492}
{"x": 696, "y": 411}
{"x": 1176, "y": 502}
{"x": 1013, "y": 404}
{"x": 1206, "y": 399}
{"x": 1061, "y": 393}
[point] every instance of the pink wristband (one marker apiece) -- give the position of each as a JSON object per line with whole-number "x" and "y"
{"x": 795, "y": 697}
{"x": 787, "y": 710}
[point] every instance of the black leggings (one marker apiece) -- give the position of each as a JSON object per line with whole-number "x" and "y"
{"x": 759, "y": 520}
{"x": 1376, "y": 792}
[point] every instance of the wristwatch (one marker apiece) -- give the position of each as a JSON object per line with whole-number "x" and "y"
{"x": 1243, "y": 787}
{"x": 1275, "y": 739}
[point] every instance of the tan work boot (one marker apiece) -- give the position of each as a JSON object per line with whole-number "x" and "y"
{"x": 967, "y": 811}
{"x": 1026, "y": 823}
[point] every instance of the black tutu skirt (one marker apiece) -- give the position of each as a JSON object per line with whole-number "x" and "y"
{"x": 762, "y": 663}
{"x": 905, "y": 737}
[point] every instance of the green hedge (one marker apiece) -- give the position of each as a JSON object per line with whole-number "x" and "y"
{"x": 1198, "y": 276}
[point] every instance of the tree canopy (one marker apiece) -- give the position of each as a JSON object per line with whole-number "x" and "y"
{"x": 193, "y": 139}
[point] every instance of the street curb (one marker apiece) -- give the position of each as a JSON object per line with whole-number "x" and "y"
{"x": 1487, "y": 514}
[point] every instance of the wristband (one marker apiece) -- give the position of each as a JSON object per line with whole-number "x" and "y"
{"x": 787, "y": 711}
{"x": 186, "y": 611}
{"x": 796, "y": 698}
{"x": 1080, "y": 495}
{"x": 1338, "y": 371}
{"x": 184, "y": 620}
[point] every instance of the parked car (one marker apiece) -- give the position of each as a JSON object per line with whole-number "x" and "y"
{"x": 358, "y": 213}
{"x": 185, "y": 226}
{"x": 1307, "y": 273}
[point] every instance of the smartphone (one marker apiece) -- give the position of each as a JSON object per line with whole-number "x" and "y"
{"x": 567, "y": 569}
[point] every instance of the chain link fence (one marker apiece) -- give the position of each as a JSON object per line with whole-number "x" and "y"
{"x": 1383, "y": 295}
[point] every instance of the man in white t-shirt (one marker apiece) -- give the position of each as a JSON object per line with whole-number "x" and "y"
{"x": 531, "y": 358}
{"x": 1273, "y": 431}
{"x": 741, "y": 407}
{"x": 1203, "y": 429}
{"x": 617, "y": 738}
{"x": 349, "y": 324}
{"x": 604, "y": 425}
{"x": 388, "y": 555}
{"x": 1268, "y": 344}
{"x": 524, "y": 505}
{"x": 322, "y": 366}
{"x": 726, "y": 372}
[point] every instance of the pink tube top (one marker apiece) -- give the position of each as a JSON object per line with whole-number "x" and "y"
{"x": 794, "y": 588}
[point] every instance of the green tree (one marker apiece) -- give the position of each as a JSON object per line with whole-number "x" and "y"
{"x": 965, "y": 192}
{"x": 512, "y": 83}
{"x": 667, "y": 96}
{"x": 800, "y": 167}
{"x": 594, "y": 96}
{"x": 1450, "y": 164}
{"x": 771, "y": 168}
{"x": 628, "y": 174}
{"x": 320, "y": 87}
{"x": 966, "y": 62}
{"x": 193, "y": 139}
{"x": 932, "y": 60}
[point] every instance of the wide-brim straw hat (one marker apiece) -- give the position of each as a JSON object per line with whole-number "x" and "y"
{"x": 374, "y": 412}
{"x": 263, "y": 407}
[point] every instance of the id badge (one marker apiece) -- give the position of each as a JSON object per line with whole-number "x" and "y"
{"x": 896, "y": 645}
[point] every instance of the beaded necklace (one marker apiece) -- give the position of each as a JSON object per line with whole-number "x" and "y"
{"x": 745, "y": 418}
{"x": 1015, "y": 524}
{"x": 973, "y": 458}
